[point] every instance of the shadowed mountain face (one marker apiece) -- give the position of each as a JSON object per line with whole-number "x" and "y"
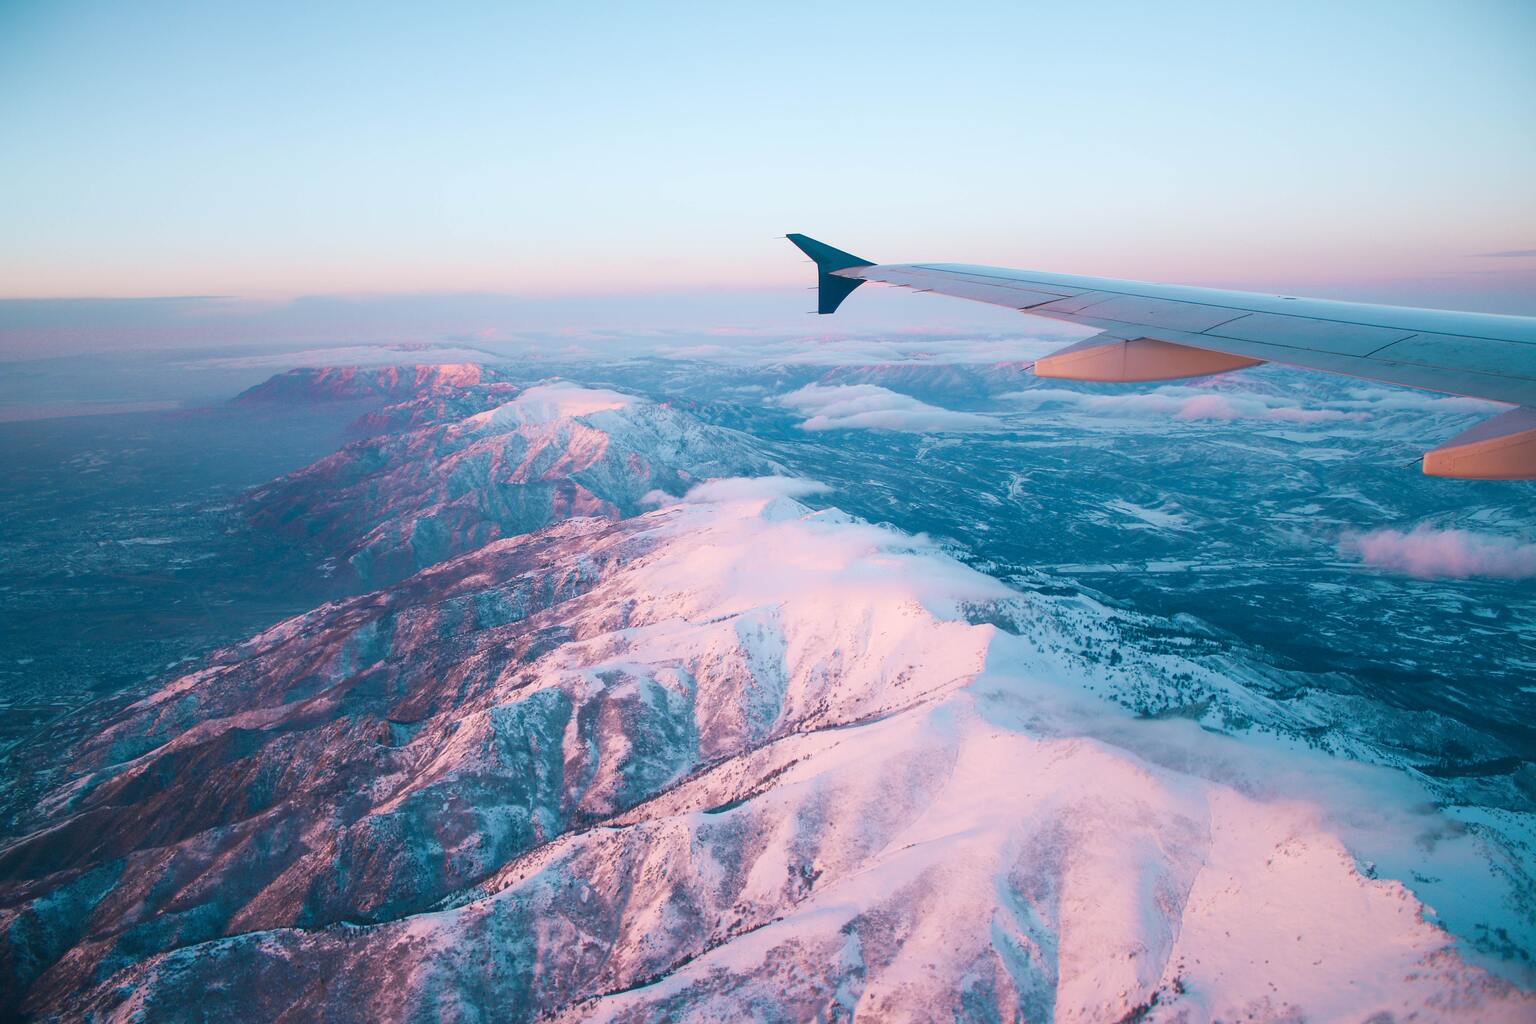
{"x": 466, "y": 465}
{"x": 636, "y": 731}
{"x": 351, "y": 383}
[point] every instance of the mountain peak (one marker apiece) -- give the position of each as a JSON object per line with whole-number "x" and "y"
{"x": 350, "y": 383}
{"x": 546, "y": 403}
{"x": 444, "y": 483}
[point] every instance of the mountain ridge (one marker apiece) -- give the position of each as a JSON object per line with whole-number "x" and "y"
{"x": 629, "y": 761}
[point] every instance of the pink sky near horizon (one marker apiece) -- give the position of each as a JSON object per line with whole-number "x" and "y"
{"x": 1374, "y": 150}
{"x": 1366, "y": 267}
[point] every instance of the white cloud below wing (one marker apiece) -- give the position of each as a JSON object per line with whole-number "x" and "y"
{"x": 870, "y": 407}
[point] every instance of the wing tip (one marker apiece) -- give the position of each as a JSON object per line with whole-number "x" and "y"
{"x": 831, "y": 289}
{"x": 826, "y": 257}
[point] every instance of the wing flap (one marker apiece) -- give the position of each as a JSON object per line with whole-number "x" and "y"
{"x": 1076, "y": 303}
{"x": 1302, "y": 332}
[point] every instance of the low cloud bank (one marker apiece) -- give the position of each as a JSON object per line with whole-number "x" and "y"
{"x": 1186, "y": 403}
{"x": 738, "y": 488}
{"x": 1388, "y": 400}
{"x": 868, "y": 407}
{"x": 915, "y": 345}
{"x": 1182, "y": 404}
{"x": 741, "y": 488}
{"x": 1430, "y": 553}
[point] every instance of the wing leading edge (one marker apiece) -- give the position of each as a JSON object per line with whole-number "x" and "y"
{"x": 1153, "y": 332}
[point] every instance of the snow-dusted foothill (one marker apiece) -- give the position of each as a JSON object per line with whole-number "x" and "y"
{"x": 437, "y": 480}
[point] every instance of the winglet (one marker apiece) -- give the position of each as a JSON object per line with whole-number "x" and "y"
{"x": 831, "y": 289}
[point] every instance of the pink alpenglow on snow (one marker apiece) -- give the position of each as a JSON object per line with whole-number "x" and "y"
{"x": 1429, "y": 553}
{"x": 393, "y": 380}
{"x": 547, "y": 403}
{"x": 598, "y": 752}
{"x": 855, "y": 778}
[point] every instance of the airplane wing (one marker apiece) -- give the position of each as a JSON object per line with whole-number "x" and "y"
{"x": 1165, "y": 332}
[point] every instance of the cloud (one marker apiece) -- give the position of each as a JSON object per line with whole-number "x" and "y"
{"x": 869, "y": 407}
{"x": 1387, "y": 400}
{"x": 924, "y": 345}
{"x": 1207, "y": 407}
{"x": 744, "y": 488}
{"x": 1183, "y": 403}
{"x": 1429, "y": 553}
{"x": 1297, "y": 414}
{"x": 709, "y": 322}
{"x": 1507, "y": 254}
{"x": 887, "y": 350}
{"x": 1186, "y": 403}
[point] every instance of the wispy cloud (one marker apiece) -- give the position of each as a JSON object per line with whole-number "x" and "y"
{"x": 1430, "y": 553}
{"x": 738, "y": 488}
{"x": 1507, "y": 254}
{"x": 868, "y": 407}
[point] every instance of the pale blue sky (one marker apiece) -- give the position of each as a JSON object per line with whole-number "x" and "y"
{"x": 159, "y": 148}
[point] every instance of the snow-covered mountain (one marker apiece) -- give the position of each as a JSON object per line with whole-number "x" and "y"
{"x": 637, "y": 770}
{"x": 455, "y": 468}
{"x": 350, "y": 383}
{"x": 597, "y": 751}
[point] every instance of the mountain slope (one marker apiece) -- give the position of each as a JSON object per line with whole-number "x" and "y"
{"x": 636, "y": 769}
{"x": 402, "y": 500}
{"x": 350, "y": 383}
